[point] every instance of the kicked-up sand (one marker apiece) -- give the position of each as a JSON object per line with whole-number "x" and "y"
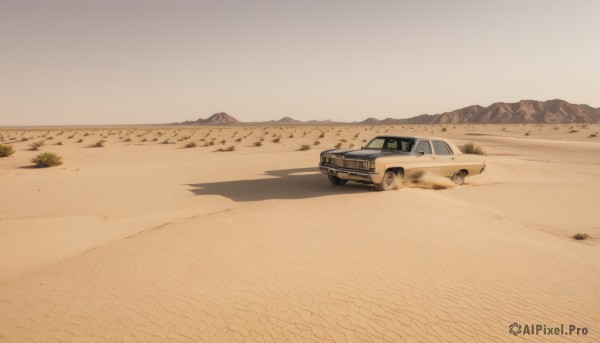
{"x": 148, "y": 239}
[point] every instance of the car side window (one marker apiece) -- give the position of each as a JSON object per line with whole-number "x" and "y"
{"x": 376, "y": 143}
{"x": 406, "y": 145}
{"x": 424, "y": 147}
{"x": 392, "y": 144}
{"x": 440, "y": 148}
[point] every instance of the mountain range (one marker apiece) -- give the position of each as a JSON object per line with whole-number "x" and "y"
{"x": 525, "y": 111}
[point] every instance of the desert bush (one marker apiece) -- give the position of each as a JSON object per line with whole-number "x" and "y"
{"x": 79, "y": 141}
{"x": 239, "y": 139}
{"x": 191, "y": 145}
{"x": 317, "y": 143}
{"x": 304, "y": 147}
{"x": 277, "y": 140}
{"x": 6, "y": 150}
{"x": 211, "y": 143}
{"x": 144, "y": 140}
{"x": 473, "y": 149}
{"x": 343, "y": 140}
{"x": 322, "y": 135}
{"x": 47, "y": 159}
{"x": 444, "y": 129}
{"x": 37, "y": 145}
{"x": 24, "y": 139}
{"x": 339, "y": 145}
{"x": 592, "y": 135}
{"x": 166, "y": 141}
{"x": 223, "y": 142}
{"x": 291, "y": 135}
{"x": 259, "y": 143}
{"x": 573, "y": 131}
{"x": 127, "y": 140}
{"x": 581, "y": 236}
{"x": 231, "y": 148}
{"x": 59, "y": 143}
{"x": 99, "y": 144}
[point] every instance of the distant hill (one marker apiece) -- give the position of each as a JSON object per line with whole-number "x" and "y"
{"x": 525, "y": 111}
{"x": 220, "y": 118}
{"x": 287, "y": 120}
{"x": 370, "y": 121}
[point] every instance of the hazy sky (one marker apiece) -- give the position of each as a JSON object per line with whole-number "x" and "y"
{"x": 148, "y": 61}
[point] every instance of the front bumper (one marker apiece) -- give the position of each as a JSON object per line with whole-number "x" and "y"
{"x": 348, "y": 174}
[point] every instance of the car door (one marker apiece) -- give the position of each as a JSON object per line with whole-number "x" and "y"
{"x": 445, "y": 160}
{"x": 424, "y": 159}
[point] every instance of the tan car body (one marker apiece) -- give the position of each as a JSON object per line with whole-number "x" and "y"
{"x": 407, "y": 164}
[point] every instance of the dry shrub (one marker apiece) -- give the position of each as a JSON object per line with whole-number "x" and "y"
{"x": 37, "y": 145}
{"x": 6, "y": 150}
{"x": 47, "y": 159}
{"x": 581, "y": 236}
{"x": 231, "y": 148}
{"x": 472, "y": 149}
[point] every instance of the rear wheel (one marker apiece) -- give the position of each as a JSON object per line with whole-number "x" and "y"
{"x": 388, "y": 182}
{"x": 336, "y": 181}
{"x": 459, "y": 177}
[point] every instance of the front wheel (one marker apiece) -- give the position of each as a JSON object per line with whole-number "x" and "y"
{"x": 336, "y": 181}
{"x": 388, "y": 182}
{"x": 458, "y": 177}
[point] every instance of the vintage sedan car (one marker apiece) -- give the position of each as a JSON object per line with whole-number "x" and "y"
{"x": 387, "y": 159}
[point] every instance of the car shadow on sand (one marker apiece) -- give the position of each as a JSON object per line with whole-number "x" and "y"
{"x": 298, "y": 183}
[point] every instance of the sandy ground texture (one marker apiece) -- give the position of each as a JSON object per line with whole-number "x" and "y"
{"x": 146, "y": 239}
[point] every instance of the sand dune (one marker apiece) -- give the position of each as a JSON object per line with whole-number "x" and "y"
{"x": 139, "y": 240}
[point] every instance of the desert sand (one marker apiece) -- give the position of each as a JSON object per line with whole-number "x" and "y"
{"x": 145, "y": 239}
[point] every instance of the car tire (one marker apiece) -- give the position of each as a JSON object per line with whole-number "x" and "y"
{"x": 336, "y": 181}
{"x": 458, "y": 177}
{"x": 388, "y": 182}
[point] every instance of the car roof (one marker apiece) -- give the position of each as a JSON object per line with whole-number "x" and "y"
{"x": 413, "y": 137}
{"x": 453, "y": 146}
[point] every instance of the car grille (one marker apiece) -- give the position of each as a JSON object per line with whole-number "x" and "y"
{"x": 351, "y": 164}
{"x": 337, "y": 162}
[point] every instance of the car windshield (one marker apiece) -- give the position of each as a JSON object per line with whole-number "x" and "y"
{"x": 391, "y": 143}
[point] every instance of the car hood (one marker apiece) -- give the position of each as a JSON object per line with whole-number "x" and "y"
{"x": 364, "y": 154}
